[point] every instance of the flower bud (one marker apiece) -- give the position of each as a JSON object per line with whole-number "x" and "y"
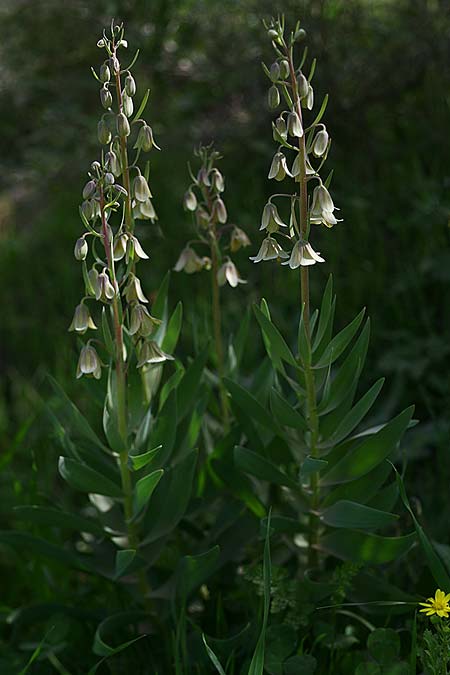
{"x": 81, "y": 249}
{"x": 272, "y": 33}
{"x": 113, "y": 163}
{"x": 82, "y": 320}
{"x": 133, "y": 291}
{"x": 104, "y": 290}
{"x": 303, "y": 85}
{"x": 89, "y": 189}
{"x": 120, "y": 247}
{"x": 273, "y": 97}
{"x": 309, "y": 100}
{"x": 280, "y": 128}
{"x": 103, "y": 133}
{"x": 134, "y": 248}
{"x": 140, "y": 189}
{"x": 203, "y": 177}
{"x": 190, "y": 262}
{"x": 89, "y": 363}
{"x": 300, "y": 34}
{"x": 228, "y": 272}
{"x": 219, "y": 211}
{"x": 275, "y": 71}
{"x": 130, "y": 85}
{"x": 105, "y": 97}
{"x": 105, "y": 73}
{"x": 294, "y": 126}
{"x": 127, "y": 104}
{"x": 284, "y": 69}
{"x": 190, "y": 201}
{"x": 95, "y": 166}
{"x": 114, "y": 64}
{"x": 320, "y": 143}
{"x": 238, "y": 240}
{"x": 217, "y": 180}
{"x": 123, "y": 126}
{"x": 109, "y": 178}
{"x": 88, "y": 209}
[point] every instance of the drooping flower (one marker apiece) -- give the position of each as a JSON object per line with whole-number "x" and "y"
{"x": 270, "y": 249}
{"x": 322, "y": 207}
{"x": 320, "y": 143}
{"x": 303, "y": 254}
{"x": 150, "y": 352}
{"x": 279, "y": 168}
{"x": 239, "y": 239}
{"x": 270, "y": 219}
{"x": 228, "y": 272}
{"x": 89, "y": 363}
{"x": 190, "y": 262}
{"x": 82, "y": 320}
{"x": 133, "y": 290}
{"x": 142, "y": 321}
{"x": 438, "y": 605}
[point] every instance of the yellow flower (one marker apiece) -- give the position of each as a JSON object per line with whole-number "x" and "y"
{"x": 437, "y": 605}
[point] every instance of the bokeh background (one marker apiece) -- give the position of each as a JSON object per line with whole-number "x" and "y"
{"x": 385, "y": 65}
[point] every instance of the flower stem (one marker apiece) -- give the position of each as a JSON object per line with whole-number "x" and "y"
{"x": 311, "y": 397}
{"x": 217, "y": 322}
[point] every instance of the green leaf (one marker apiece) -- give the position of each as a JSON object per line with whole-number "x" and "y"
{"x": 189, "y": 385}
{"x": 355, "y": 415}
{"x": 144, "y": 489}
{"x": 435, "y": 564}
{"x": 312, "y": 465}
{"x": 45, "y": 515}
{"x": 241, "y": 338}
{"x": 325, "y": 313}
{"x": 71, "y": 418}
{"x": 229, "y": 479}
{"x": 170, "y": 499}
{"x": 165, "y": 429}
{"x": 82, "y": 477}
{"x": 305, "y": 664}
{"x": 284, "y": 413}
{"x": 173, "y": 330}
{"x": 141, "y": 108}
{"x": 159, "y": 308}
{"x": 115, "y": 622}
{"x": 347, "y": 514}
{"x": 257, "y": 663}
{"x": 384, "y": 645}
{"x": 41, "y": 547}
{"x": 194, "y": 570}
{"x": 36, "y": 653}
{"x": 363, "y": 489}
{"x": 262, "y": 468}
{"x": 372, "y": 549}
{"x": 340, "y": 342}
{"x": 123, "y": 561}
{"x": 215, "y": 661}
{"x": 370, "y": 452}
{"x": 275, "y": 342}
{"x": 107, "y": 333}
{"x": 304, "y": 343}
{"x": 110, "y": 418}
{"x": 136, "y": 462}
{"x": 171, "y": 384}
{"x": 249, "y": 405}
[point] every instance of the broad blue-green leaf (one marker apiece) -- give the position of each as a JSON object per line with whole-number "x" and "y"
{"x": 355, "y": 415}
{"x": 363, "y": 489}
{"x": 284, "y": 413}
{"x": 370, "y": 452}
{"x": 144, "y": 489}
{"x": 110, "y": 414}
{"x": 241, "y": 338}
{"x": 82, "y": 477}
{"x": 347, "y": 514}
{"x": 311, "y": 465}
{"x": 46, "y": 515}
{"x": 282, "y": 524}
{"x": 171, "y": 384}
{"x": 275, "y": 341}
{"x": 226, "y": 475}
{"x": 372, "y": 549}
{"x": 173, "y": 330}
{"x": 170, "y": 499}
{"x": 194, "y": 570}
{"x": 249, "y": 405}
{"x": 340, "y": 342}
{"x": 123, "y": 561}
{"x": 165, "y": 430}
{"x": 260, "y": 467}
{"x": 136, "y": 462}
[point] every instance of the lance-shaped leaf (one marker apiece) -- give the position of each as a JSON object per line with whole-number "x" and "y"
{"x": 275, "y": 342}
{"x": 372, "y": 549}
{"x": 136, "y": 462}
{"x": 194, "y": 570}
{"x": 123, "y": 561}
{"x": 113, "y": 625}
{"x": 340, "y": 342}
{"x": 363, "y": 489}
{"x": 370, "y": 452}
{"x": 144, "y": 489}
{"x": 173, "y": 330}
{"x": 82, "y": 477}
{"x": 351, "y": 515}
{"x": 165, "y": 430}
{"x": 47, "y": 515}
{"x": 284, "y": 413}
{"x": 262, "y": 468}
{"x": 190, "y": 382}
{"x": 29, "y": 544}
{"x": 249, "y": 405}
{"x": 355, "y": 415}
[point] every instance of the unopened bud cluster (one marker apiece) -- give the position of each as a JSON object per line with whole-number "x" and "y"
{"x": 301, "y": 153}
{"x": 204, "y": 199}
{"x": 116, "y": 190}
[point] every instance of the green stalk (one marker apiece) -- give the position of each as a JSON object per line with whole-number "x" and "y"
{"x": 217, "y": 322}
{"x": 311, "y": 397}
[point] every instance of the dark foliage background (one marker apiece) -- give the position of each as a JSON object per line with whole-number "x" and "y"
{"x": 384, "y": 64}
